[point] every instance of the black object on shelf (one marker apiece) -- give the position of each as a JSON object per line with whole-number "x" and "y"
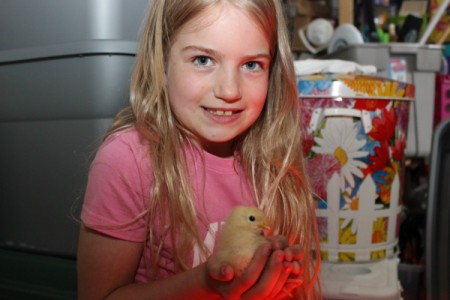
{"x": 438, "y": 216}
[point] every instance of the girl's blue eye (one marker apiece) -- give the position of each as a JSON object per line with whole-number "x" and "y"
{"x": 202, "y": 60}
{"x": 253, "y": 65}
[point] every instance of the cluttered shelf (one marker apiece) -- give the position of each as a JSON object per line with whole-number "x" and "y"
{"x": 376, "y": 21}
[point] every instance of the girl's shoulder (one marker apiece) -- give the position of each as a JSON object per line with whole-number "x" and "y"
{"x": 123, "y": 147}
{"x": 129, "y": 136}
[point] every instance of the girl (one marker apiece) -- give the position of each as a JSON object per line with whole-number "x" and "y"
{"x": 213, "y": 123}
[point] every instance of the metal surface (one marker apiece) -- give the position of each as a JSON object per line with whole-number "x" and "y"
{"x": 64, "y": 73}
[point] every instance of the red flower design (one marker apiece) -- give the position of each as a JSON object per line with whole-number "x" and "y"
{"x": 398, "y": 149}
{"x": 380, "y": 160}
{"x": 409, "y": 93}
{"x": 384, "y": 127}
{"x": 364, "y": 104}
{"x": 307, "y": 143}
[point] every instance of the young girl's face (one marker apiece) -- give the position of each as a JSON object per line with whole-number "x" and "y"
{"x": 218, "y": 73}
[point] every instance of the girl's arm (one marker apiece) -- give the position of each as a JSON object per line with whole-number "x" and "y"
{"x": 107, "y": 266}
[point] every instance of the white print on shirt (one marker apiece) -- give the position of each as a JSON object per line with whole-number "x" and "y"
{"x": 210, "y": 241}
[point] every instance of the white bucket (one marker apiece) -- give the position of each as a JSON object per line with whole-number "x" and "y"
{"x": 354, "y": 139}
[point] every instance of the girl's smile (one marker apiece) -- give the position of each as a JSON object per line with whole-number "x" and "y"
{"x": 222, "y": 116}
{"x": 218, "y": 70}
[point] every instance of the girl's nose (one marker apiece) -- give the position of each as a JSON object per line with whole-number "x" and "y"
{"x": 228, "y": 85}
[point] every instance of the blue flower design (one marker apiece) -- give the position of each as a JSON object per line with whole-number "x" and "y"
{"x": 305, "y": 87}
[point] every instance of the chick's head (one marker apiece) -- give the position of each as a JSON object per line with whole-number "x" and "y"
{"x": 249, "y": 218}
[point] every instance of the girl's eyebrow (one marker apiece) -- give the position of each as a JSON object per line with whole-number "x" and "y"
{"x": 214, "y": 53}
{"x": 207, "y": 51}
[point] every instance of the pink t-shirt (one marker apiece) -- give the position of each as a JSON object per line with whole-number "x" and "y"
{"x": 118, "y": 190}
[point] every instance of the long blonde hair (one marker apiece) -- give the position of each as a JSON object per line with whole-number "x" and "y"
{"x": 270, "y": 151}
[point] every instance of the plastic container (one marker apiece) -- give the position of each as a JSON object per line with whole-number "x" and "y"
{"x": 422, "y": 63}
{"x": 64, "y": 73}
{"x": 374, "y": 54}
{"x": 368, "y": 281}
{"x": 354, "y": 139}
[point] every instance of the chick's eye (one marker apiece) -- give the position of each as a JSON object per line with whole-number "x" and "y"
{"x": 252, "y": 218}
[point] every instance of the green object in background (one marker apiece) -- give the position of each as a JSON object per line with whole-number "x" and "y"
{"x": 447, "y": 50}
{"x": 32, "y": 276}
{"x": 399, "y": 21}
{"x": 383, "y": 36}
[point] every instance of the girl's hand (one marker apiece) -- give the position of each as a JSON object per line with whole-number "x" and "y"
{"x": 293, "y": 261}
{"x": 294, "y": 257}
{"x": 267, "y": 276}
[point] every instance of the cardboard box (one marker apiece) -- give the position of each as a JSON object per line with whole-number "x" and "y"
{"x": 346, "y": 12}
{"x": 311, "y": 8}
{"x": 295, "y": 25}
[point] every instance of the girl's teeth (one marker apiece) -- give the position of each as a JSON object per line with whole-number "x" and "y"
{"x": 221, "y": 112}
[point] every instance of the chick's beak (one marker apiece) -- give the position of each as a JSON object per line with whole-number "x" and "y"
{"x": 266, "y": 228}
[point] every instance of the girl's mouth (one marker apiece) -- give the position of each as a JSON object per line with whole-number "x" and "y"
{"x": 219, "y": 112}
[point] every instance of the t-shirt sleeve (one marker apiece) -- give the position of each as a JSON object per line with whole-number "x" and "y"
{"x": 117, "y": 190}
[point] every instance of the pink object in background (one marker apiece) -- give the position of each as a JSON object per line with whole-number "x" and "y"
{"x": 442, "y": 99}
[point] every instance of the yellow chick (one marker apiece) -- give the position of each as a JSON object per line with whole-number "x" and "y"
{"x": 243, "y": 232}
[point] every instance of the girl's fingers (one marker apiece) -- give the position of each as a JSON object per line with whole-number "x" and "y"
{"x": 255, "y": 268}
{"x": 218, "y": 271}
{"x": 279, "y": 242}
{"x": 290, "y": 286}
{"x": 294, "y": 252}
{"x": 269, "y": 279}
{"x": 297, "y": 268}
{"x": 280, "y": 283}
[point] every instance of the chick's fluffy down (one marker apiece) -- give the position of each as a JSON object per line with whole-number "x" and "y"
{"x": 242, "y": 234}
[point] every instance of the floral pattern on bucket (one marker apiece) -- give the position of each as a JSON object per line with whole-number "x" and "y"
{"x": 354, "y": 132}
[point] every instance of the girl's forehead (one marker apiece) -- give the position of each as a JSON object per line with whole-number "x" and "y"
{"x": 214, "y": 13}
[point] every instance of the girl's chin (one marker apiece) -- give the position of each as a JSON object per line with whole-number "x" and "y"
{"x": 218, "y": 138}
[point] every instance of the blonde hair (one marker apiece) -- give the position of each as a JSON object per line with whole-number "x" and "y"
{"x": 270, "y": 151}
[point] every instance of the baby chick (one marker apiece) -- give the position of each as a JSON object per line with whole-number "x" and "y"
{"x": 243, "y": 232}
